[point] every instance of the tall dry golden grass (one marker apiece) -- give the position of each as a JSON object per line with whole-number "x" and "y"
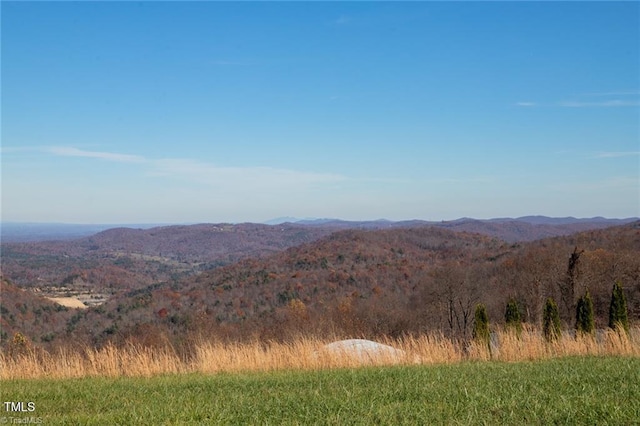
{"x": 107, "y": 362}
{"x": 303, "y": 354}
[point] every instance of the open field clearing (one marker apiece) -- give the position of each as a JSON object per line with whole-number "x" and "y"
{"x": 69, "y": 302}
{"x": 574, "y": 390}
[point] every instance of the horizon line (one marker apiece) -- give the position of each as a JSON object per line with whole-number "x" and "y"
{"x": 294, "y": 220}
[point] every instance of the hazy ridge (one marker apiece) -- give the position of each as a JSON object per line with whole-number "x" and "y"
{"x": 32, "y": 232}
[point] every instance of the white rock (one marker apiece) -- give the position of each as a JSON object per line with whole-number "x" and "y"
{"x": 365, "y": 351}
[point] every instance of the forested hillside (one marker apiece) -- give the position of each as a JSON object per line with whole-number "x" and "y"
{"x": 24, "y": 312}
{"x": 125, "y": 259}
{"x": 368, "y": 283}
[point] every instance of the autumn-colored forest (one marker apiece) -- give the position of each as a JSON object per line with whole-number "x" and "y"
{"x": 318, "y": 282}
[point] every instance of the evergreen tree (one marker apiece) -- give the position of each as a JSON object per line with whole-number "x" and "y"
{"x": 481, "y": 332}
{"x": 618, "y": 316}
{"x": 585, "y": 323}
{"x": 551, "y": 321}
{"x": 512, "y": 316}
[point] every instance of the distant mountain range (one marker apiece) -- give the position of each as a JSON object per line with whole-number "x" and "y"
{"x": 534, "y": 220}
{"x": 27, "y": 231}
{"x": 525, "y": 228}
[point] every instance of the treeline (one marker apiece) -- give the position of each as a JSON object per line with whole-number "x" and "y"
{"x": 551, "y": 324}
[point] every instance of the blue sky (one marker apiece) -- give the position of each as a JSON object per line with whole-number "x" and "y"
{"x": 209, "y": 112}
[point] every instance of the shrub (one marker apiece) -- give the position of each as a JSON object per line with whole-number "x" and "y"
{"x": 551, "y": 321}
{"x": 481, "y": 332}
{"x": 584, "y": 315}
{"x": 512, "y": 316}
{"x": 618, "y": 309}
{"x": 20, "y": 344}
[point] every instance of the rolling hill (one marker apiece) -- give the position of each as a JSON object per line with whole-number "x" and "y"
{"x": 125, "y": 258}
{"x": 271, "y": 281}
{"x": 368, "y": 283}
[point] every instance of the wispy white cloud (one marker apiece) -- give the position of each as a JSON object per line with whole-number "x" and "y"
{"x": 64, "y": 151}
{"x": 526, "y": 104}
{"x": 468, "y": 180}
{"x": 623, "y": 98}
{"x": 615, "y": 93}
{"x": 613, "y": 183}
{"x": 239, "y": 177}
{"x": 196, "y": 171}
{"x": 227, "y": 62}
{"x": 605, "y": 104}
{"x": 617, "y": 154}
{"x": 13, "y": 149}
{"x": 342, "y": 20}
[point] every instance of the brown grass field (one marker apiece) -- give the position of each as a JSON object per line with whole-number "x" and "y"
{"x": 304, "y": 354}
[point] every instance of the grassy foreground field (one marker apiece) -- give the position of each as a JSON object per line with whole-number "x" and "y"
{"x": 574, "y": 390}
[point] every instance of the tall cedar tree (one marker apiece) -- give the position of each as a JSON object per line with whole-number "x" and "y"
{"x": 618, "y": 316}
{"x": 585, "y": 323}
{"x": 568, "y": 285}
{"x": 551, "y": 321}
{"x": 481, "y": 332}
{"x": 512, "y": 316}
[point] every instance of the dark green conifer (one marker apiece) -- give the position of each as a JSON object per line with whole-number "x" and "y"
{"x": 512, "y": 316}
{"x": 481, "y": 332}
{"x": 618, "y": 316}
{"x": 585, "y": 324}
{"x": 551, "y": 321}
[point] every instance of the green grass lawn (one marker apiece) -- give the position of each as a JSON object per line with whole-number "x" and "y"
{"x": 565, "y": 391}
